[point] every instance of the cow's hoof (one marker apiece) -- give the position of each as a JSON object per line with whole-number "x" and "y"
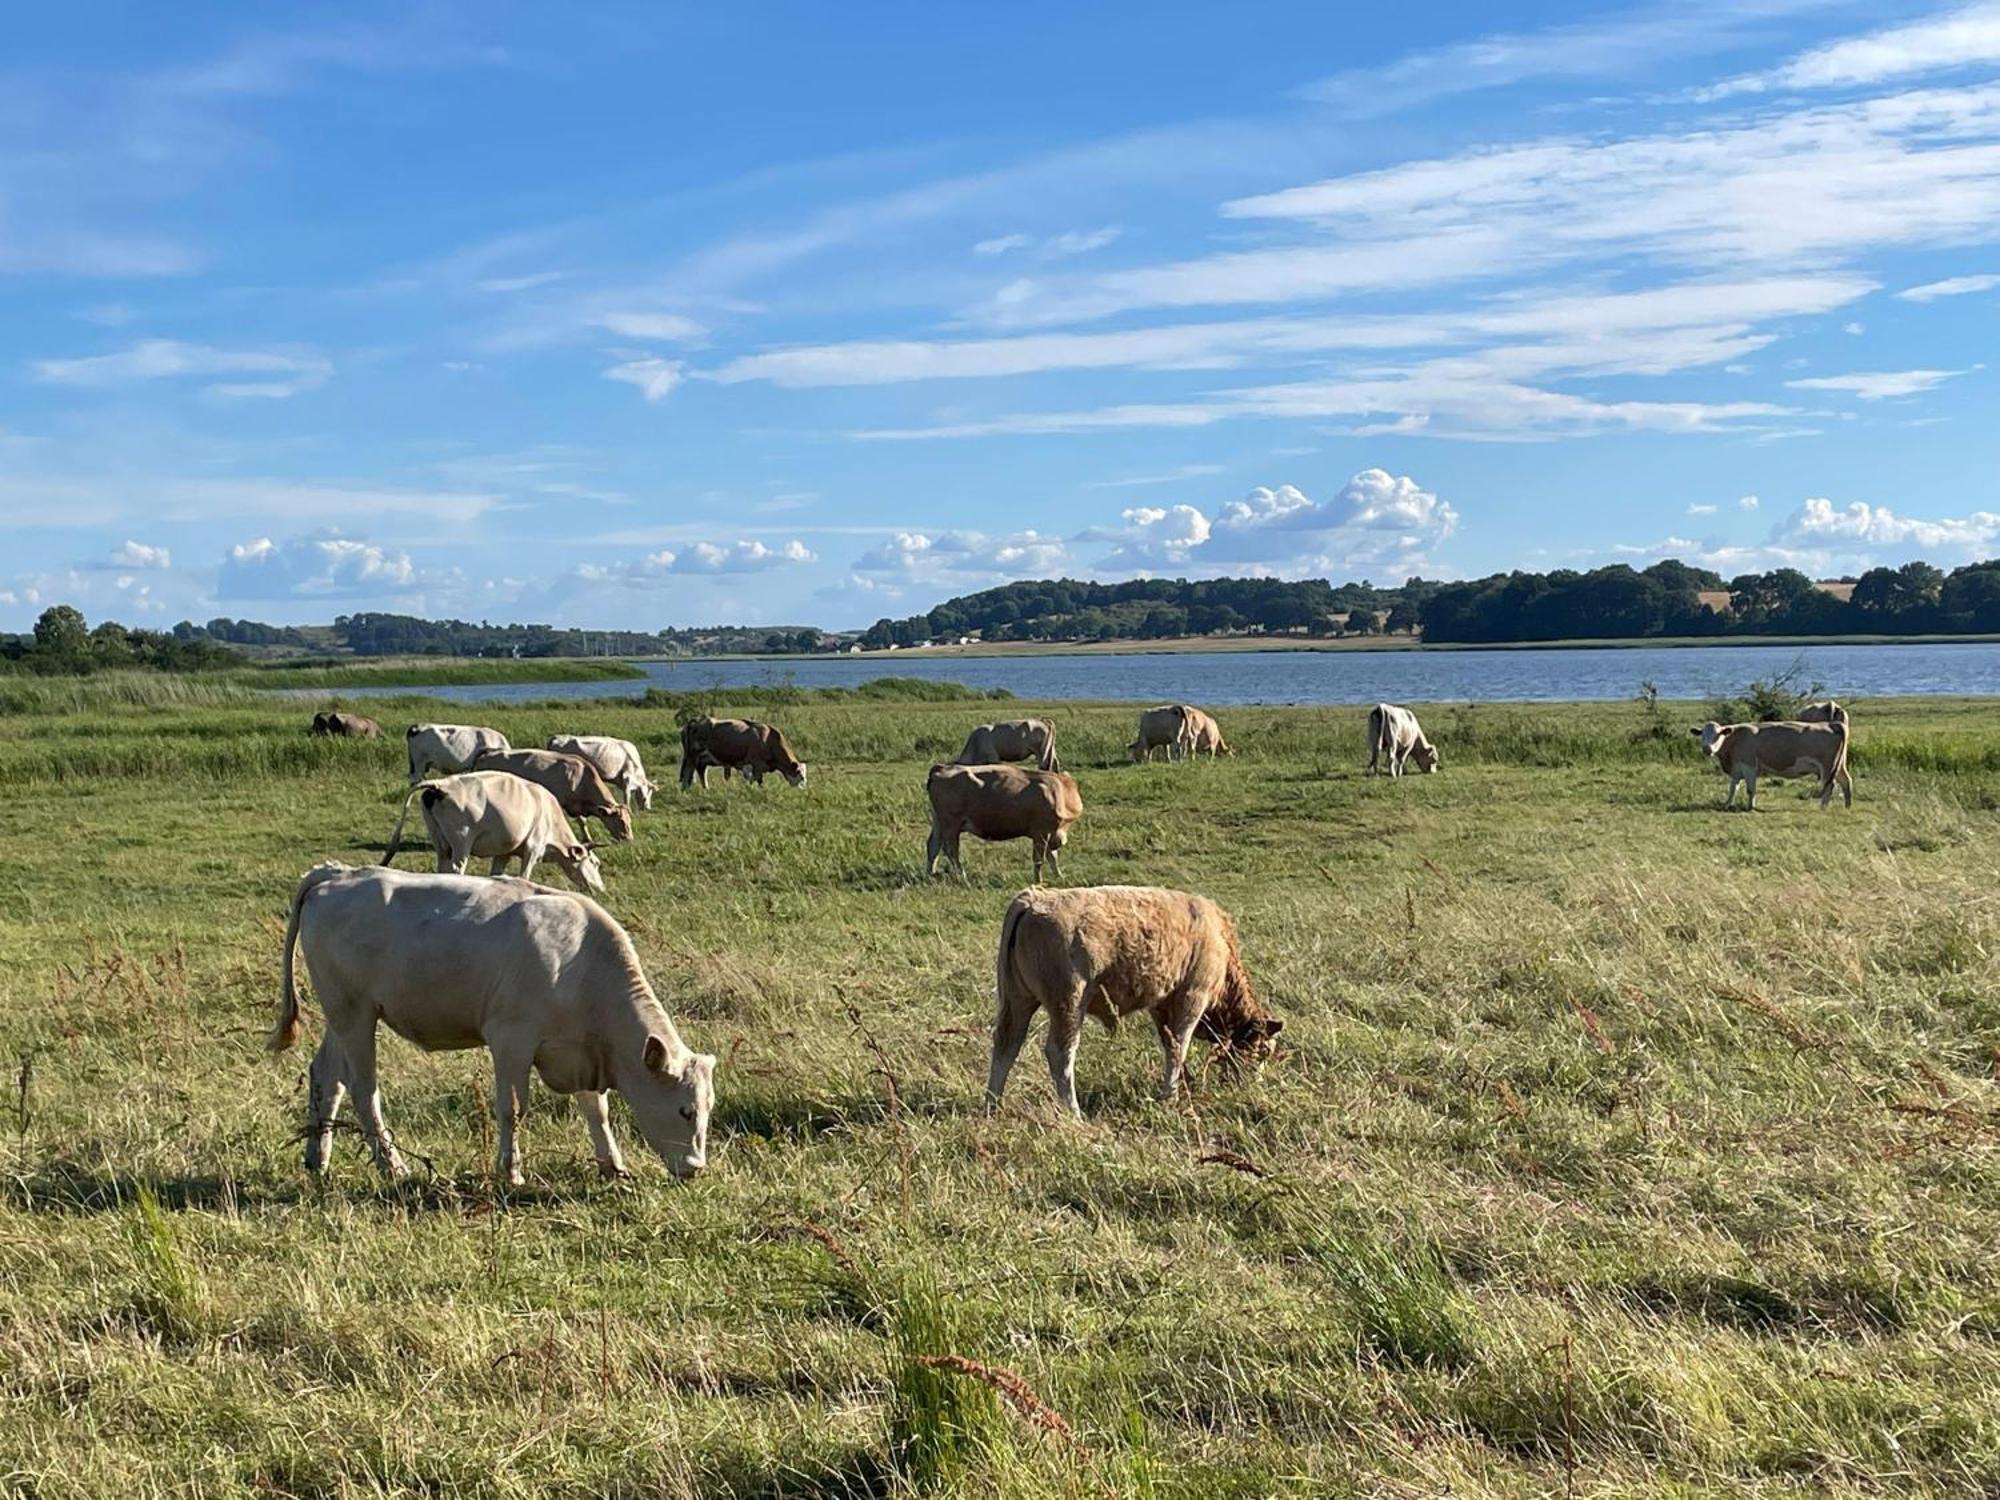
{"x": 611, "y": 1171}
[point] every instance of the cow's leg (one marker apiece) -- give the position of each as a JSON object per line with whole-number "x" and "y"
{"x": 1065, "y": 1031}
{"x": 1055, "y": 865}
{"x": 510, "y": 1097}
{"x": 1011, "y": 1015}
{"x": 1750, "y": 789}
{"x": 933, "y": 846}
{"x": 1846, "y": 787}
{"x": 952, "y": 840}
{"x": 1042, "y": 852}
{"x": 1730, "y": 800}
{"x": 596, "y": 1112}
{"x": 1176, "y": 1031}
{"x": 324, "y": 1092}
{"x": 499, "y": 866}
{"x": 358, "y": 1047}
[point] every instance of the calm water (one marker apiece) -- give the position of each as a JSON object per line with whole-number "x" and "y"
{"x": 1333, "y": 676}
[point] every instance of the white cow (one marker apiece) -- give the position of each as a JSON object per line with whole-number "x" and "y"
{"x": 617, "y": 761}
{"x": 449, "y": 747}
{"x": 1743, "y": 752}
{"x": 543, "y": 979}
{"x": 499, "y": 816}
{"x": 1394, "y": 732}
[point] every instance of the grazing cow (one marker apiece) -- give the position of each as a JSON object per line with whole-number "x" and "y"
{"x": 1395, "y": 733}
{"x": 498, "y": 816}
{"x": 449, "y": 747}
{"x": 617, "y": 761}
{"x": 736, "y": 745}
{"x": 340, "y": 725}
{"x": 545, "y": 980}
{"x": 1012, "y": 739}
{"x": 1107, "y": 951}
{"x": 1828, "y": 712}
{"x": 577, "y": 786}
{"x": 1743, "y": 752}
{"x": 1163, "y": 727}
{"x": 1000, "y": 802}
{"x": 1203, "y": 733}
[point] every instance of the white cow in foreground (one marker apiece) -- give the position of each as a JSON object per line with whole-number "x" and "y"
{"x": 541, "y": 978}
{"x": 449, "y": 747}
{"x": 499, "y": 816}
{"x": 1394, "y": 732}
{"x": 617, "y": 761}
{"x": 1743, "y": 752}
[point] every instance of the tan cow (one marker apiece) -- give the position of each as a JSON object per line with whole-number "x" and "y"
{"x": 499, "y": 816}
{"x": 1165, "y": 727}
{"x": 1828, "y": 712}
{"x": 1743, "y": 752}
{"x": 1203, "y": 733}
{"x": 997, "y": 803}
{"x": 1012, "y": 739}
{"x": 574, "y": 781}
{"x": 1107, "y": 951}
{"x": 1395, "y": 733}
{"x": 736, "y": 745}
{"x": 617, "y": 761}
{"x": 546, "y": 981}
{"x": 340, "y": 725}
{"x": 449, "y": 747}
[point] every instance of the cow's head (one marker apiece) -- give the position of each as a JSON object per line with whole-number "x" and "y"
{"x": 1710, "y": 735}
{"x": 640, "y": 796}
{"x": 617, "y": 819}
{"x": 1426, "y": 757}
{"x": 671, "y": 1094}
{"x": 579, "y": 863}
{"x": 793, "y": 772}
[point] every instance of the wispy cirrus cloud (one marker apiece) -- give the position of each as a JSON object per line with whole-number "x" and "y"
{"x": 272, "y": 373}
{"x": 1879, "y": 385}
{"x": 1951, "y": 286}
{"x": 1962, "y": 38}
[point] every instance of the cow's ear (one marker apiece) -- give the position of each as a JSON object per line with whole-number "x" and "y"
{"x": 656, "y": 1056}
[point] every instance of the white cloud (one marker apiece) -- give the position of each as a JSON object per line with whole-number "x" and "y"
{"x": 1702, "y": 510}
{"x": 1962, "y": 38}
{"x": 1054, "y": 247}
{"x": 138, "y": 555}
{"x": 1171, "y": 476}
{"x": 1003, "y": 244}
{"x": 702, "y": 559}
{"x": 1878, "y": 385}
{"x": 502, "y": 285}
{"x": 30, "y": 500}
{"x": 662, "y": 326}
{"x": 1747, "y": 502}
{"x": 1951, "y": 286}
{"x": 654, "y": 377}
{"x": 1860, "y": 527}
{"x": 287, "y": 371}
{"x": 323, "y": 565}
{"x": 960, "y": 557}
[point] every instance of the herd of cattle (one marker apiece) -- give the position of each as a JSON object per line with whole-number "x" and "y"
{"x": 549, "y": 982}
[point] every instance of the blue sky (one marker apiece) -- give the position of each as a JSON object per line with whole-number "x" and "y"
{"x": 642, "y": 315}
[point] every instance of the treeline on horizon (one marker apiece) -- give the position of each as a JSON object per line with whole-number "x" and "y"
{"x": 1618, "y": 602}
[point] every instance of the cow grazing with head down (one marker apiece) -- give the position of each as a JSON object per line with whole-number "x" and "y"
{"x": 616, "y": 760}
{"x": 1394, "y": 733}
{"x": 742, "y": 745}
{"x": 498, "y": 816}
{"x": 1163, "y": 728}
{"x": 995, "y": 803}
{"x": 336, "y": 724}
{"x": 1011, "y": 739}
{"x": 573, "y": 781}
{"x": 449, "y": 747}
{"x": 1743, "y": 752}
{"x": 1204, "y": 735}
{"x": 1107, "y": 951}
{"x": 544, "y": 980}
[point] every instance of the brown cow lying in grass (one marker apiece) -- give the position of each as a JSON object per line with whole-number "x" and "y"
{"x": 996, "y": 803}
{"x": 341, "y": 725}
{"x": 1107, "y": 951}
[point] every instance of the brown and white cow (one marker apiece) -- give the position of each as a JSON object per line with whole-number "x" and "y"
{"x": 449, "y": 747}
{"x": 499, "y": 816}
{"x": 546, "y": 981}
{"x": 1743, "y": 752}
{"x": 338, "y": 724}
{"x": 572, "y": 779}
{"x": 996, "y": 803}
{"x": 1012, "y": 739}
{"x": 742, "y": 745}
{"x": 1107, "y": 951}
{"x": 1394, "y": 732}
{"x": 616, "y": 760}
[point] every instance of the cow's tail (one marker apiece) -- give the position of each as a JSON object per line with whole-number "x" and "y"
{"x": 1003, "y": 977}
{"x": 396, "y": 837}
{"x": 1049, "y": 761}
{"x": 285, "y": 1024}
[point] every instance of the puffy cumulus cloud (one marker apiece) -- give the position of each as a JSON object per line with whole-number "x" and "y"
{"x": 701, "y": 559}
{"x": 1748, "y": 502}
{"x": 1152, "y": 536}
{"x": 133, "y": 557}
{"x": 915, "y": 556}
{"x": 1861, "y": 529}
{"x": 654, "y": 377}
{"x": 323, "y": 565}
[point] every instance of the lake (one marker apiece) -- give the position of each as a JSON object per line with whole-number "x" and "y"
{"x": 1363, "y": 676}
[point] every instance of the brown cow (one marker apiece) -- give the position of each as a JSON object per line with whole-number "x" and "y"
{"x": 574, "y": 781}
{"x": 342, "y": 725}
{"x": 1000, "y": 802}
{"x": 736, "y": 745}
{"x": 1107, "y": 951}
{"x": 1012, "y": 739}
{"x": 1163, "y": 727}
{"x": 1743, "y": 752}
{"x": 1203, "y": 733}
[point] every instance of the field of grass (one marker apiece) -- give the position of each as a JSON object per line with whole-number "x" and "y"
{"x": 1617, "y": 1145}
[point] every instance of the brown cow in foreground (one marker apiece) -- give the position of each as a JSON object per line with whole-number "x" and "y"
{"x": 574, "y": 781}
{"x": 1107, "y": 951}
{"x": 341, "y": 725}
{"x": 1743, "y": 752}
{"x": 1012, "y": 739}
{"x": 736, "y": 745}
{"x": 1000, "y": 802}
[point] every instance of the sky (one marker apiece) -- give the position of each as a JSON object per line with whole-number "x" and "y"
{"x": 649, "y": 315}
